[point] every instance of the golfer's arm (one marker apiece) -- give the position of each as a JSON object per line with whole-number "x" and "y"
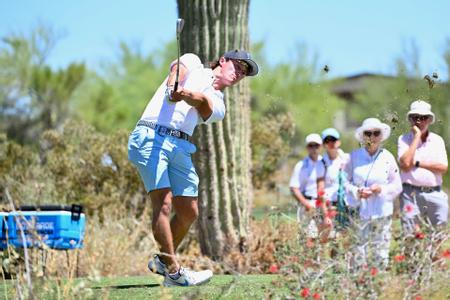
{"x": 200, "y": 101}
{"x": 173, "y": 73}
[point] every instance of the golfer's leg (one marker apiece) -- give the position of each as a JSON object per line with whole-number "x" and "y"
{"x": 186, "y": 212}
{"x": 161, "y": 204}
{"x": 184, "y": 182}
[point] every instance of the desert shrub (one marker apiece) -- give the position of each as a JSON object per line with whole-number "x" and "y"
{"x": 271, "y": 136}
{"x": 74, "y": 165}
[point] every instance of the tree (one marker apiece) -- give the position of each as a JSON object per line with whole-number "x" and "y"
{"x": 223, "y": 158}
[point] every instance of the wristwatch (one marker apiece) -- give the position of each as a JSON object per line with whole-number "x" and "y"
{"x": 417, "y": 164}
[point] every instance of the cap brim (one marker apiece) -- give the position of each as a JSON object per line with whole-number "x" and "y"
{"x": 253, "y": 67}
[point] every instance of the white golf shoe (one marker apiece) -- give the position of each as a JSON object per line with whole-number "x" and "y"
{"x": 155, "y": 265}
{"x": 186, "y": 277}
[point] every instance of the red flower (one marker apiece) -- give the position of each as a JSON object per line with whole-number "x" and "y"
{"x": 399, "y": 258}
{"x": 446, "y": 254}
{"x": 309, "y": 243}
{"x": 420, "y": 235}
{"x": 328, "y": 202}
{"x": 318, "y": 202}
{"x": 418, "y": 297}
{"x": 321, "y": 193}
{"x": 331, "y": 214}
{"x": 373, "y": 271}
{"x": 304, "y": 292}
{"x": 316, "y": 296}
{"x": 409, "y": 208}
{"x": 273, "y": 269}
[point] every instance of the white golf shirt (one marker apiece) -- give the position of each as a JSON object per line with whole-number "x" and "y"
{"x": 363, "y": 170}
{"x": 180, "y": 115}
{"x": 331, "y": 173}
{"x": 304, "y": 176}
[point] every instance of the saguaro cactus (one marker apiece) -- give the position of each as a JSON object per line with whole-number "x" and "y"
{"x": 223, "y": 157}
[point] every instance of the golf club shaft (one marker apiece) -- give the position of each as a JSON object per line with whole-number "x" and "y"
{"x": 175, "y": 87}
{"x": 180, "y": 25}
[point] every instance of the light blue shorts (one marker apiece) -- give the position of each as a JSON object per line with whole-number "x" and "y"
{"x": 163, "y": 161}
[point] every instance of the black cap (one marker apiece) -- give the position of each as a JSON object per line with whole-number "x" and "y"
{"x": 253, "y": 68}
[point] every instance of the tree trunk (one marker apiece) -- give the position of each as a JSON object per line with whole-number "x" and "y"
{"x": 223, "y": 157}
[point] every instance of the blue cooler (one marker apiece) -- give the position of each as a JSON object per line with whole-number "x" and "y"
{"x": 57, "y": 226}
{"x": 3, "y": 227}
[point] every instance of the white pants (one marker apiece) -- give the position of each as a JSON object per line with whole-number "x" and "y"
{"x": 308, "y": 221}
{"x": 374, "y": 240}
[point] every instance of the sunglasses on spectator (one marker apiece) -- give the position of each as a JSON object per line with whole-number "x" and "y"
{"x": 329, "y": 139}
{"x": 375, "y": 133}
{"x": 418, "y": 117}
{"x": 313, "y": 145}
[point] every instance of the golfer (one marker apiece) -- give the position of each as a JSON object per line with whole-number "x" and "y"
{"x": 423, "y": 161}
{"x": 374, "y": 183}
{"x": 161, "y": 149}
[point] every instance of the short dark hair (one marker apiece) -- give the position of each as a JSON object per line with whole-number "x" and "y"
{"x": 214, "y": 64}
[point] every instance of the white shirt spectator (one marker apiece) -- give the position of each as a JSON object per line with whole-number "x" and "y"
{"x": 331, "y": 173}
{"x": 433, "y": 149}
{"x": 363, "y": 170}
{"x": 304, "y": 176}
{"x": 180, "y": 115}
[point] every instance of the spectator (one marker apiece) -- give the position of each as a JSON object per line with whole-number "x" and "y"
{"x": 374, "y": 183}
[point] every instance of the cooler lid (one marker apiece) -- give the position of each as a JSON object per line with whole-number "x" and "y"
{"x": 75, "y": 209}
{"x": 52, "y": 207}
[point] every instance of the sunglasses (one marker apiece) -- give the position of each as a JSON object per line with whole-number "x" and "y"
{"x": 313, "y": 146}
{"x": 418, "y": 117}
{"x": 375, "y": 133}
{"x": 241, "y": 66}
{"x": 330, "y": 139}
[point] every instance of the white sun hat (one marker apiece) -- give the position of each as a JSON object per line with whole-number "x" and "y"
{"x": 313, "y": 138}
{"x": 420, "y": 107}
{"x": 372, "y": 124}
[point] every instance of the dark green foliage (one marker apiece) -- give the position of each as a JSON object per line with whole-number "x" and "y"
{"x": 77, "y": 165}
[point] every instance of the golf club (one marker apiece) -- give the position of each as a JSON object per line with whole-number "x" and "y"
{"x": 180, "y": 24}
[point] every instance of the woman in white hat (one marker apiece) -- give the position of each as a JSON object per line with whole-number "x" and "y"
{"x": 303, "y": 184}
{"x": 374, "y": 183}
{"x": 423, "y": 162}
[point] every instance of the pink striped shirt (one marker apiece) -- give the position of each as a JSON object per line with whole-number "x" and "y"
{"x": 432, "y": 150}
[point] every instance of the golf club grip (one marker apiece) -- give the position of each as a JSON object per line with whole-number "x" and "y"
{"x": 175, "y": 86}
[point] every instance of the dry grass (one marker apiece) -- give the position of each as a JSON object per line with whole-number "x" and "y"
{"x": 117, "y": 245}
